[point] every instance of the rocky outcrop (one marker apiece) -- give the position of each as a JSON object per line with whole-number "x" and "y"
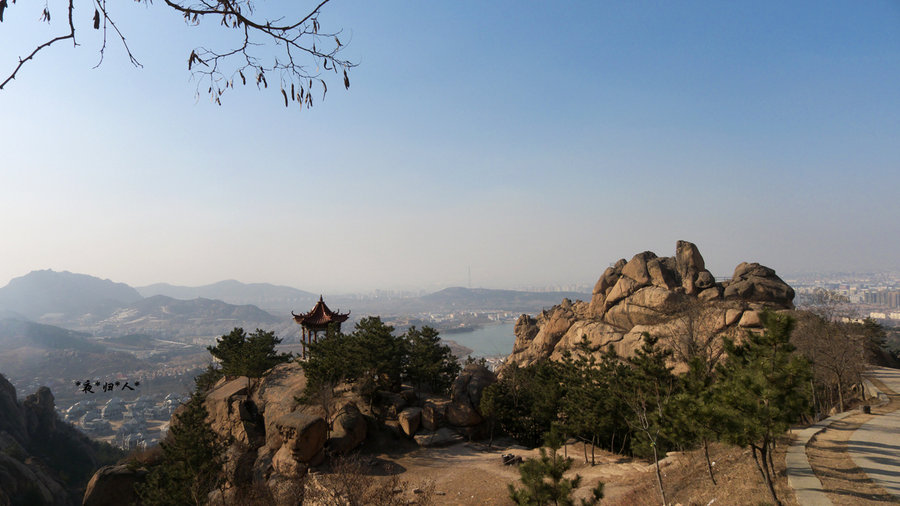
{"x": 43, "y": 460}
{"x": 409, "y": 419}
{"x": 302, "y": 439}
{"x": 466, "y": 395}
{"x": 349, "y": 430}
{"x": 651, "y": 294}
{"x": 113, "y": 486}
{"x": 233, "y": 414}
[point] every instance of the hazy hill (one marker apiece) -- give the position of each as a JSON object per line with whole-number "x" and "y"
{"x": 173, "y": 318}
{"x": 18, "y": 333}
{"x": 275, "y": 298}
{"x": 29, "y": 350}
{"x": 507, "y": 300}
{"x": 54, "y": 294}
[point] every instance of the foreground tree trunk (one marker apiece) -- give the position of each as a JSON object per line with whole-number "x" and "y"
{"x": 708, "y": 463}
{"x": 840, "y": 389}
{"x": 659, "y": 482}
{"x": 764, "y": 470}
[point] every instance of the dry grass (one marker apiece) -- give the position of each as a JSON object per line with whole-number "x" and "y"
{"x": 842, "y": 480}
{"x": 687, "y": 482}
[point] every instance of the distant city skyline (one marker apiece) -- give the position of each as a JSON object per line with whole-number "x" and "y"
{"x": 531, "y": 142}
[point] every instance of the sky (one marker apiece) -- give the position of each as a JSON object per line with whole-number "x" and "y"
{"x": 529, "y": 143}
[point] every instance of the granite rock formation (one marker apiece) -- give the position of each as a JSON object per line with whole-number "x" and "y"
{"x": 276, "y": 439}
{"x": 43, "y": 460}
{"x": 658, "y": 295}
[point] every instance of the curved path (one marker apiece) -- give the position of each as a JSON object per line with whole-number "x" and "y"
{"x": 875, "y": 446}
{"x": 807, "y": 486}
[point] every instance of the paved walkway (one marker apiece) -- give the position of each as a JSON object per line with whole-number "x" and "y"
{"x": 800, "y": 475}
{"x": 875, "y": 446}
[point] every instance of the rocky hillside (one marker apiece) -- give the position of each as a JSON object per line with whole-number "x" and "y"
{"x": 43, "y": 460}
{"x": 276, "y": 439}
{"x": 665, "y": 296}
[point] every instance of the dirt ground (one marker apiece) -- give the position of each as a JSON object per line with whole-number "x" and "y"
{"x": 845, "y": 483}
{"x": 473, "y": 474}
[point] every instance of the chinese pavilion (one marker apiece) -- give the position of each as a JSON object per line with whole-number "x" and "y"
{"x": 318, "y": 320}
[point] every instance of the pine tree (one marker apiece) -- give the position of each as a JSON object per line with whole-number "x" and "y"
{"x": 243, "y": 355}
{"x": 191, "y": 467}
{"x": 380, "y": 353}
{"x": 763, "y": 390}
{"x": 428, "y": 362}
{"x": 543, "y": 481}
{"x": 647, "y": 386}
{"x": 590, "y": 411}
{"x": 695, "y": 416}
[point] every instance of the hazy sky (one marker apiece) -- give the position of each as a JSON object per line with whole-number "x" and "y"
{"x": 534, "y": 142}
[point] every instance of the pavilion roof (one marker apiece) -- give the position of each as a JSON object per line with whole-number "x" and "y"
{"x": 320, "y": 316}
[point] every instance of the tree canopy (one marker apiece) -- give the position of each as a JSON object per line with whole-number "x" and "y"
{"x": 374, "y": 358}
{"x": 290, "y": 48}
{"x": 247, "y": 355}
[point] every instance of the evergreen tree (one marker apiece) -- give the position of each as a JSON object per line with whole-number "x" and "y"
{"x": 543, "y": 481}
{"x": 763, "y": 390}
{"x": 191, "y": 467}
{"x": 332, "y": 359}
{"x": 589, "y": 411}
{"x": 696, "y": 418}
{"x": 646, "y": 386}
{"x": 428, "y": 362}
{"x": 243, "y": 355}
{"x": 380, "y": 354}
{"x": 526, "y": 402}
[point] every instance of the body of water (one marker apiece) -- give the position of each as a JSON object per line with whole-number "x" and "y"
{"x": 488, "y": 341}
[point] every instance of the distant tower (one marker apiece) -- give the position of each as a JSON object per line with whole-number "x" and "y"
{"x": 316, "y": 321}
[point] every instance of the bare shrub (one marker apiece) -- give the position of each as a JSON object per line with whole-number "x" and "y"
{"x": 349, "y": 483}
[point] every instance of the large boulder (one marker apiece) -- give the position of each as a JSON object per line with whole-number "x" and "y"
{"x": 278, "y": 392}
{"x": 624, "y": 287}
{"x": 689, "y": 263}
{"x": 756, "y": 283}
{"x": 434, "y": 413}
{"x": 113, "y": 486}
{"x": 605, "y": 285}
{"x": 466, "y": 395}
{"x": 303, "y": 440}
{"x": 231, "y": 412}
{"x": 409, "y": 419}
{"x": 636, "y": 268}
{"x": 663, "y": 273}
{"x": 349, "y": 430}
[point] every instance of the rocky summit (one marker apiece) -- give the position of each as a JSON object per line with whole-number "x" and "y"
{"x": 663, "y": 296}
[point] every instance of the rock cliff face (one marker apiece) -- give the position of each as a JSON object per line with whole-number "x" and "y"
{"x": 43, "y": 460}
{"x": 659, "y": 295}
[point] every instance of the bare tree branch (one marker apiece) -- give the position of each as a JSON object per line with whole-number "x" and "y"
{"x": 298, "y": 51}
{"x": 70, "y": 35}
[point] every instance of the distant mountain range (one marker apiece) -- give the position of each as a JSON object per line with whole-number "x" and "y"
{"x": 108, "y": 309}
{"x": 273, "y": 298}
{"x": 64, "y": 294}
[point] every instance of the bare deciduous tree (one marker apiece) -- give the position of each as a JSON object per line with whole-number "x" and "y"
{"x": 293, "y": 49}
